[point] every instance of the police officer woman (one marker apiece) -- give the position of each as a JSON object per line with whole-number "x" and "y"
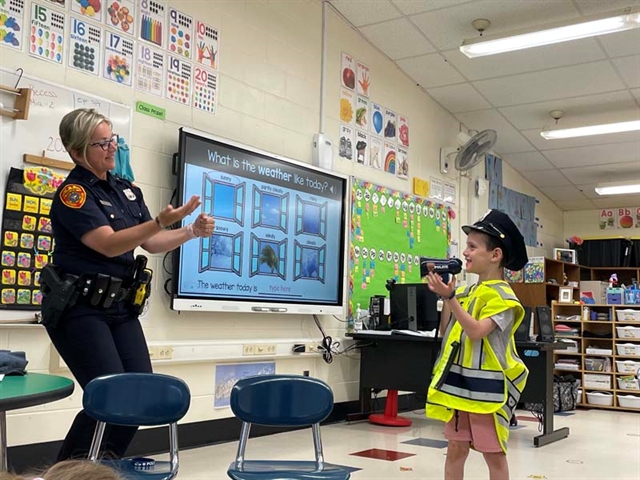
{"x": 98, "y": 220}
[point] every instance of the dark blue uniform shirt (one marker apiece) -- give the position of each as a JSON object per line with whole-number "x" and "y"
{"x": 83, "y": 203}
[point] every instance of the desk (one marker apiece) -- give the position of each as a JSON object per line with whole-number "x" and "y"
{"x": 21, "y": 391}
{"x": 402, "y": 362}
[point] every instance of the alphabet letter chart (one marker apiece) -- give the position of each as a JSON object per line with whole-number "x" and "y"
{"x": 46, "y": 38}
{"x": 179, "y": 81}
{"x": 85, "y": 46}
{"x": 180, "y": 34}
{"x": 12, "y": 23}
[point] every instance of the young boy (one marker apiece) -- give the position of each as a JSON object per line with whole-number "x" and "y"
{"x": 478, "y": 378}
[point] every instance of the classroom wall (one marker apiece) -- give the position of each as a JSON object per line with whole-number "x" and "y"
{"x": 269, "y": 91}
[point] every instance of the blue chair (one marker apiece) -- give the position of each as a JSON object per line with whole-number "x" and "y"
{"x": 282, "y": 400}
{"x": 137, "y": 399}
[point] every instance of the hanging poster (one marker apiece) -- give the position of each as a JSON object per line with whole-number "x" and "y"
{"x": 390, "y": 124}
{"x": 121, "y": 15}
{"x": 178, "y": 80}
{"x": 362, "y": 147}
{"x": 364, "y": 81}
{"x": 390, "y": 230}
{"x": 88, "y": 8}
{"x": 152, "y": 20}
{"x": 449, "y": 192}
{"x": 390, "y": 157}
{"x": 403, "y": 163}
{"x": 347, "y": 71}
{"x": 46, "y": 40}
{"x": 180, "y": 40}
{"x": 207, "y": 39}
{"x": 85, "y": 46}
{"x": 628, "y": 217}
{"x": 362, "y": 112}
{"x": 403, "y": 131}
{"x": 150, "y": 70}
{"x": 608, "y": 219}
{"x": 347, "y": 106}
{"x": 12, "y": 24}
{"x": 118, "y": 58}
{"x": 205, "y": 88}
{"x": 345, "y": 149}
{"x": 377, "y": 119}
{"x": 228, "y": 374}
{"x": 376, "y": 151}
{"x": 436, "y": 188}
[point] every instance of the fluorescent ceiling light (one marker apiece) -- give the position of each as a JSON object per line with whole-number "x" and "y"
{"x": 621, "y": 188}
{"x": 554, "y": 33}
{"x": 591, "y": 130}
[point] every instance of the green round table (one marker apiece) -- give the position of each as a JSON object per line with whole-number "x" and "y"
{"x": 22, "y": 391}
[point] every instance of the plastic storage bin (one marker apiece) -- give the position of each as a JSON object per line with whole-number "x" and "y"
{"x": 628, "y": 332}
{"x": 628, "y": 349}
{"x": 627, "y": 366}
{"x": 600, "y": 398}
{"x": 595, "y": 364}
{"x": 628, "y": 315}
{"x": 595, "y": 380}
{"x": 632, "y": 401}
{"x": 628, "y": 383}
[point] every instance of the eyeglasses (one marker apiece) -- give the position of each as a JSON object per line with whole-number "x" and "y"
{"x": 105, "y": 144}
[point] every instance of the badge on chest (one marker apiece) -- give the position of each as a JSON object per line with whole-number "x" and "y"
{"x": 129, "y": 194}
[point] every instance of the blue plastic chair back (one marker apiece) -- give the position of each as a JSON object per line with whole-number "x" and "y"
{"x": 281, "y": 400}
{"x": 136, "y": 399}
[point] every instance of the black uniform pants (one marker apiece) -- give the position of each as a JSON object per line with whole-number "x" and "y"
{"x": 92, "y": 343}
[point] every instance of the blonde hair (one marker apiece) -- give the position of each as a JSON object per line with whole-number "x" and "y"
{"x": 70, "y": 470}
{"x": 76, "y": 128}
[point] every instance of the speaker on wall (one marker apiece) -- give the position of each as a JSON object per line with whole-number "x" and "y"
{"x": 545, "y": 325}
{"x": 522, "y": 333}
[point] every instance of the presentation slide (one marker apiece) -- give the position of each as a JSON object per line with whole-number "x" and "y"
{"x": 279, "y": 228}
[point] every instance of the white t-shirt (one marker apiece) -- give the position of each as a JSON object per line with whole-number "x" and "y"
{"x": 500, "y": 336}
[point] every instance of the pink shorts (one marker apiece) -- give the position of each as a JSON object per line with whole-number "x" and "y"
{"x": 479, "y": 429}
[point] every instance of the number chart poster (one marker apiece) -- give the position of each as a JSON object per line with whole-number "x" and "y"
{"x": 390, "y": 231}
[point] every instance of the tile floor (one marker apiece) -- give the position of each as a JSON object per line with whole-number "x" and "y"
{"x": 602, "y": 445}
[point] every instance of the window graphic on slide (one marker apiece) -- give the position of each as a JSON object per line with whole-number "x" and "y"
{"x": 310, "y": 262}
{"x": 311, "y": 218}
{"x": 268, "y": 257}
{"x": 222, "y": 252}
{"x": 270, "y": 210}
{"x": 223, "y": 200}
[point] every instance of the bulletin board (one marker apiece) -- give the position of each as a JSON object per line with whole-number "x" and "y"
{"x": 390, "y": 231}
{"x": 38, "y": 134}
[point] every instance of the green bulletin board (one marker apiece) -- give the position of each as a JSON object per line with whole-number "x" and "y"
{"x": 390, "y": 230}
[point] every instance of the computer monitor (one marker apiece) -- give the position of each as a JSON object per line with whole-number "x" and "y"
{"x": 413, "y": 307}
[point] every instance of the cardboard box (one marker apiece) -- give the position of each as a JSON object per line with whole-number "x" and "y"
{"x": 598, "y": 290}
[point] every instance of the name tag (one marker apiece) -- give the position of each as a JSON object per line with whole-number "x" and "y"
{"x": 105, "y": 203}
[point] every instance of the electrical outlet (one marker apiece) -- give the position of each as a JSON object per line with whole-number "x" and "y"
{"x": 165, "y": 353}
{"x": 248, "y": 349}
{"x": 266, "y": 349}
{"x": 153, "y": 353}
{"x": 313, "y": 348}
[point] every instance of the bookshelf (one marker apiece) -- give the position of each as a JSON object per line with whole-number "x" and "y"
{"x": 599, "y": 341}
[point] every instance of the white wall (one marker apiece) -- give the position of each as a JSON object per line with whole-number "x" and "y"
{"x": 269, "y": 90}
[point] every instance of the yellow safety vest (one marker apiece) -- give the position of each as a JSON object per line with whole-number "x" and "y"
{"x": 467, "y": 375}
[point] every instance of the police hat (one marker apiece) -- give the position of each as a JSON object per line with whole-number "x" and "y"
{"x": 500, "y": 226}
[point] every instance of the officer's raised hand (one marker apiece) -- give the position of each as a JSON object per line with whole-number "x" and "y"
{"x": 169, "y": 215}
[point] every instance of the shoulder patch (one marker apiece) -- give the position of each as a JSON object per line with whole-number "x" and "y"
{"x": 73, "y": 195}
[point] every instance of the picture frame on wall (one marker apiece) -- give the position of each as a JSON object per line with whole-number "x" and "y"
{"x": 565, "y": 255}
{"x": 565, "y": 295}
